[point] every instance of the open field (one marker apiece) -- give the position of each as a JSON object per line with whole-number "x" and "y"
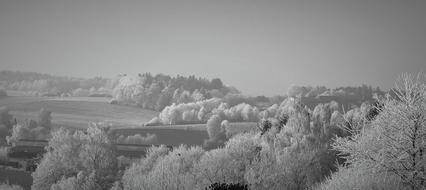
{"x": 77, "y": 112}
{"x": 174, "y": 135}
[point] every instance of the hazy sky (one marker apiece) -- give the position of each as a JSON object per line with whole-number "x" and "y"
{"x": 260, "y": 47}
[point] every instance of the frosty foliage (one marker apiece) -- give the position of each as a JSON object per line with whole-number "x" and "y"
{"x": 201, "y": 111}
{"x": 357, "y": 177}
{"x": 394, "y": 142}
{"x": 76, "y": 160}
{"x": 216, "y": 132}
{"x": 54, "y": 85}
{"x": 31, "y": 129}
{"x": 79, "y": 92}
{"x": 164, "y": 170}
{"x": 133, "y": 176}
{"x": 289, "y": 155}
{"x": 360, "y": 93}
{"x": 188, "y": 112}
{"x": 159, "y": 91}
{"x": 80, "y": 182}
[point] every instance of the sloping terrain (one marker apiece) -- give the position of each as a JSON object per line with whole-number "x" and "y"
{"x": 77, "y": 112}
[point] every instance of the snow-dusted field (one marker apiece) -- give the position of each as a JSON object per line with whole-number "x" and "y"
{"x": 77, "y": 112}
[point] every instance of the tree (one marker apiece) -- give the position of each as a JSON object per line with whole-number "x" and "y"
{"x": 68, "y": 154}
{"x": 396, "y": 140}
{"x": 81, "y": 182}
{"x": 162, "y": 169}
{"x": 6, "y": 118}
{"x": 45, "y": 118}
{"x": 217, "y": 134}
{"x": 264, "y": 126}
{"x": 354, "y": 177}
{"x": 297, "y": 91}
{"x": 216, "y": 83}
{"x": 229, "y": 163}
{"x": 163, "y": 100}
{"x": 134, "y": 176}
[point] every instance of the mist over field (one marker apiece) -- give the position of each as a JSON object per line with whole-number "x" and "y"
{"x": 212, "y": 95}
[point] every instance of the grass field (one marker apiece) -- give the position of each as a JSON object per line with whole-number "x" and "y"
{"x": 77, "y": 112}
{"x": 174, "y": 135}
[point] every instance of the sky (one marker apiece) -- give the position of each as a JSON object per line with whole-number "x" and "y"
{"x": 261, "y": 47}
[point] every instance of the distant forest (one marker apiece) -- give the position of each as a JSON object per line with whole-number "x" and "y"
{"x": 155, "y": 92}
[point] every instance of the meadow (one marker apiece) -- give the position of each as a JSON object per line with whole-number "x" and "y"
{"x": 77, "y": 112}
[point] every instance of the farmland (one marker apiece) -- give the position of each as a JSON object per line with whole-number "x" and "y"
{"x": 77, "y": 112}
{"x": 174, "y": 135}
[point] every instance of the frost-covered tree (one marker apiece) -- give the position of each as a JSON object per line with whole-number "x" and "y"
{"x": 80, "y": 182}
{"x": 164, "y": 170}
{"x": 138, "y": 139}
{"x": 358, "y": 177}
{"x": 6, "y": 119}
{"x": 321, "y": 120}
{"x": 297, "y": 91}
{"x": 228, "y": 164}
{"x": 45, "y": 118}
{"x": 157, "y": 92}
{"x": 32, "y": 129}
{"x": 79, "y": 92}
{"x": 70, "y": 153}
{"x": 133, "y": 178}
{"x": 216, "y": 132}
{"x": 395, "y": 141}
{"x": 164, "y": 99}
